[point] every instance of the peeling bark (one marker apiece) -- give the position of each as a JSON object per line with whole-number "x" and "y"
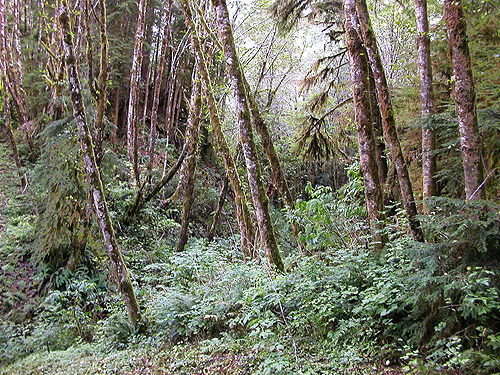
{"x": 94, "y": 177}
{"x": 465, "y": 98}
{"x": 259, "y": 198}
{"x": 361, "y": 95}
{"x": 388, "y": 121}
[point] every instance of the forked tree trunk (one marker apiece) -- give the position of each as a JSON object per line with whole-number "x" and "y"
{"x": 465, "y": 98}
{"x": 388, "y": 121}
{"x": 133, "y": 106}
{"x": 156, "y": 92}
{"x": 188, "y": 169}
{"x": 426, "y": 98}
{"x": 367, "y": 154}
{"x": 242, "y": 213}
{"x": 94, "y": 177}
{"x": 259, "y": 197}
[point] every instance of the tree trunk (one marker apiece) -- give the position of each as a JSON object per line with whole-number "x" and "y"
{"x": 102, "y": 84}
{"x": 133, "y": 106}
{"x": 388, "y": 121}
{"x": 426, "y": 99}
{"x": 218, "y": 208}
{"x": 242, "y": 213}
{"x": 188, "y": 169}
{"x": 259, "y": 198}
{"x": 465, "y": 98}
{"x": 367, "y": 154}
{"x": 94, "y": 177}
{"x": 156, "y": 93}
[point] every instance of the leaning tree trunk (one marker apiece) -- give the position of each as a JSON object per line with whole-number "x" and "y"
{"x": 366, "y": 140}
{"x": 388, "y": 121}
{"x": 259, "y": 197}
{"x": 133, "y": 105}
{"x": 242, "y": 213}
{"x": 426, "y": 99}
{"x": 156, "y": 93}
{"x": 94, "y": 177}
{"x": 218, "y": 208}
{"x": 188, "y": 170}
{"x": 465, "y": 98}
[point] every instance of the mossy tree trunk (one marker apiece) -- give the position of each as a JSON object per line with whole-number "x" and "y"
{"x": 426, "y": 99}
{"x": 388, "y": 120}
{"x": 366, "y": 140}
{"x": 94, "y": 177}
{"x": 242, "y": 213}
{"x": 188, "y": 170}
{"x": 465, "y": 98}
{"x": 259, "y": 197}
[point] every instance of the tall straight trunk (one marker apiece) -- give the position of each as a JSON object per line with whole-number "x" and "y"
{"x": 133, "y": 106}
{"x": 388, "y": 121}
{"x": 426, "y": 98}
{"x": 242, "y": 213}
{"x": 16, "y": 33}
{"x": 94, "y": 176}
{"x": 465, "y": 98}
{"x": 259, "y": 197}
{"x": 102, "y": 83}
{"x": 188, "y": 170}
{"x": 12, "y": 69}
{"x": 156, "y": 92}
{"x": 366, "y": 140}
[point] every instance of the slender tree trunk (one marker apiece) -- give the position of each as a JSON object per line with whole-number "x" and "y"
{"x": 102, "y": 84}
{"x": 218, "y": 208}
{"x": 465, "y": 98}
{"x": 156, "y": 93}
{"x": 94, "y": 177}
{"x": 426, "y": 98}
{"x": 8, "y": 128}
{"x": 188, "y": 169}
{"x": 242, "y": 213}
{"x": 260, "y": 201}
{"x": 367, "y": 154}
{"x": 133, "y": 107}
{"x": 116, "y": 116}
{"x": 388, "y": 121}
{"x": 377, "y": 132}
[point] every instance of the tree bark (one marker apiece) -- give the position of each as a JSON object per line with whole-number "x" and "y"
{"x": 388, "y": 121}
{"x": 426, "y": 99}
{"x": 259, "y": 197}
{"x": 156, "y": 93}
{"x": 188, "y": 169}
{"x": 133, "y": 106}
{"x": 367, "y": 154}
{"x": 218, "y": 208}
{"x": 94, "y": 176}
{"x": 465, "y": 97}
{"x": 242, "y": 213}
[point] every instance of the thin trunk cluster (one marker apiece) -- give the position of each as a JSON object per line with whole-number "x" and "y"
{"x": 94, "y": 176}
{"x": 388, "y": 120}
{"x": 366, "y": 140}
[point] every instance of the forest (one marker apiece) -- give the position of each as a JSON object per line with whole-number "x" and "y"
{"x": 249, "y": 187}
